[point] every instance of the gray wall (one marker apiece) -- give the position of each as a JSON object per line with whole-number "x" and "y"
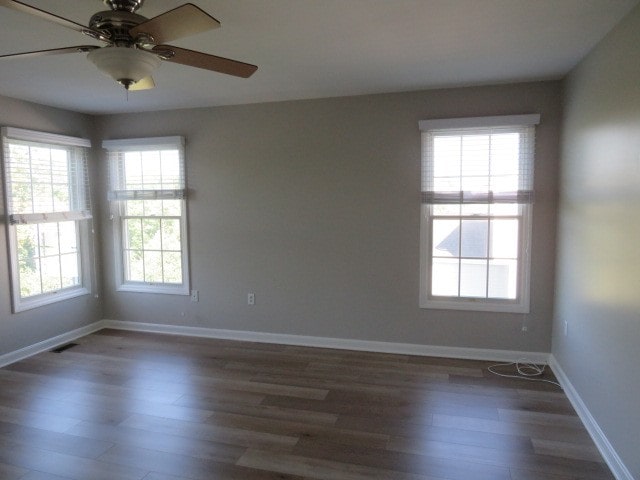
{"x": 598, "y": 281}
{"x": 32, "y": 326}
{"x": 314, "y": 206}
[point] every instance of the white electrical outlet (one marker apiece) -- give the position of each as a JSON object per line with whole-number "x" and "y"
{"x": 251, "y": 298}
{"x": 194, "y": 295}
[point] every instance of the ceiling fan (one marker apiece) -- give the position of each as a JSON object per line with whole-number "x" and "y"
{"x": 135, "y": 45}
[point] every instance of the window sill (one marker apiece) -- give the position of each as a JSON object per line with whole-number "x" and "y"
{"x": 478, "y": 305}
{"x": 153, "y": 288}
{"x": 49, "y": 298}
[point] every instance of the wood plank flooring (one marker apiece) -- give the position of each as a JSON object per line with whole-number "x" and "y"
{"x": 131, "y": 406}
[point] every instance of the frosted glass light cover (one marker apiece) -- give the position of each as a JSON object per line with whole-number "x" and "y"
{"x": 122, "y": 63}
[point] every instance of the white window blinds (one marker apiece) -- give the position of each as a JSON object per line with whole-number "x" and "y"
{"x": 478, "y": 160}
{"x": 46, "y": 177}
{"x": 146, "y": 168}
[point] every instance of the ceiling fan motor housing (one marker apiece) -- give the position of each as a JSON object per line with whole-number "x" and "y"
{"x": 126, "y": 5}
{"x": 117, "y": 23}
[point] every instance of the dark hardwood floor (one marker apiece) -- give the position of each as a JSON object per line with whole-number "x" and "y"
{"x": 125, "y": 405}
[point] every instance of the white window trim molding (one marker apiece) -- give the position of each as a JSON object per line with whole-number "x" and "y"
{"x": 141, "y": 144}
{"x": 480, "y": 122}
{"x": 44, "y": 137}
{"x": 84, "y": 229}
{"x": 520, "y": 305}
{"x": 116, "y": 197}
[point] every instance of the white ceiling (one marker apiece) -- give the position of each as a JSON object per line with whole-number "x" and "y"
{"x": 315, "y": 48}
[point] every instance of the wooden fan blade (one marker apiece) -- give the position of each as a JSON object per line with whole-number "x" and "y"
{"x": 146, "y": 83}
{"x": 179, "y": 22}
{"x": 23, "y": 7}
{"x": 205, "y": 61}
{"x": 51, "y": 51}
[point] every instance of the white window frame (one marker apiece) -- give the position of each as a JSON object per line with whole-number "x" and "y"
{"x": 521, "y": 304}
{"x": 81, "y": 216}
{"x": 118, "y": 197}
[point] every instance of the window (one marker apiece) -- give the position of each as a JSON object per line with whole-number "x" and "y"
{"x": 148, "y": 199}
{"x": 477, "y": 180}
{"x": 48, "y": 216}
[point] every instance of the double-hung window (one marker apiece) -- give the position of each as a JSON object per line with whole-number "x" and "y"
{"x": 477, "y": 194}
{"x": 48, "y": 216}
{"x": 148, "y": 204}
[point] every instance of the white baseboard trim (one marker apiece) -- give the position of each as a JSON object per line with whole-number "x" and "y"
{"x": 283, "y": 339}
{"x": 337, "y": 343}
{"x": 49, "y": 343}
{"x": 615, "y": 463}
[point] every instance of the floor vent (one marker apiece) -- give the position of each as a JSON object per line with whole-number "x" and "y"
{"x": 62, "y": 348}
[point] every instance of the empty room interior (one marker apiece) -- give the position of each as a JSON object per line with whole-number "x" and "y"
{"x": 333, "y": 239}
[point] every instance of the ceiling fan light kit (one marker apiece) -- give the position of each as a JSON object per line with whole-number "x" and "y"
{"x": 136, "y": 45}
{"x": 126, "y": 66}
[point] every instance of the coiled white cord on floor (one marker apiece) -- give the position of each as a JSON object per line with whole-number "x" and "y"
{"x": 525, "y": 369}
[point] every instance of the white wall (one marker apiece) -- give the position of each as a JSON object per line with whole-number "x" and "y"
{"x": 598, "y": 280}
{"x": 32, "y": 326}
{"x": 314, "y": 206}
